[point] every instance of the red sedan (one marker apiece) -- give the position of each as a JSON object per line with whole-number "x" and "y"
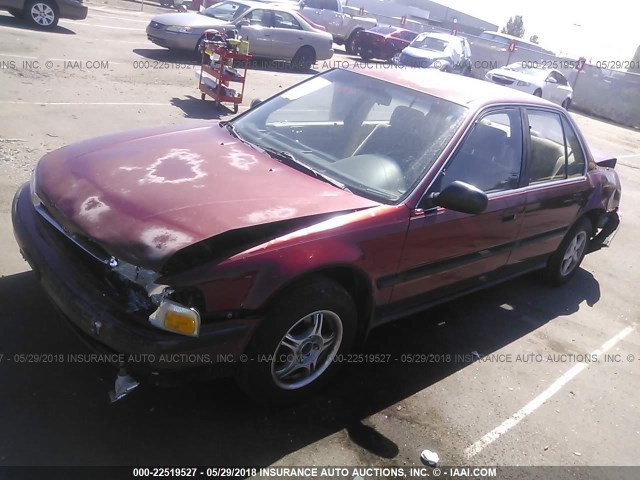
{"x": 383, "y": 42}
{"x": 269, "y": 245}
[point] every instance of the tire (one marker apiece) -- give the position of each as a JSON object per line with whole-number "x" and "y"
{"x": 350, "y": 45}
{"x": 303, "y": 59}
{"x": 16, "y": 12}
{"x": 566, "y": 104}
{"x": 364, "y": 57}
{"x": 565, "y": 261}
{"x": 288, "y": 357}
{"x": 538, "y": 93}
{"x": 42, "y": 13}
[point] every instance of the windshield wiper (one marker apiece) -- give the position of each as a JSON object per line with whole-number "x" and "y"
{"x": 230, "y": 128}
{"x": 289, "y": 159}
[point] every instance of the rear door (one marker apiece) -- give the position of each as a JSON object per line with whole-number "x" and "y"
{"x": 558, "y": 186}
{"x": 448, "y": 251}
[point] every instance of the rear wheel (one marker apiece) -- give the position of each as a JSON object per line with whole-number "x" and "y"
{"x": 303, "y": 59}
{"x": 299, "y": 346}
{"x": 567, "y": 258}
{"x": 566, "y": 104}
{"x": 351, "y": 45}
{"x": 42, "y": 13}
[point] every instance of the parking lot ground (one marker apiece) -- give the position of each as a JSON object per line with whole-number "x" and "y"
{"x": 464, "y": 381}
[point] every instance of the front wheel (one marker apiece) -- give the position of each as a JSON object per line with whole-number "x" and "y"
{"x": 538, "y": 93}
{"x": 42, "y": 13}
{"x": 351, "y": 45}
{"x": 565, "y": 261}
{"x": 566, "y": 104}
{"x": 300, "y": 345}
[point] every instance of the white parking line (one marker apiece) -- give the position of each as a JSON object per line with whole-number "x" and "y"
{"x": 533, "y": 405}
{"x": 110, "y": 16}
{"x": 135, "y": 104}
{"x": 628, "y": 156}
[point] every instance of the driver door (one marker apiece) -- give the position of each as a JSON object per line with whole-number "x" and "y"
{"x": 258, "y": 32}
{"x": 448, "y": 251}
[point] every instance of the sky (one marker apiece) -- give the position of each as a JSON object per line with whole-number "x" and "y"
{"x": 603, "y": 30}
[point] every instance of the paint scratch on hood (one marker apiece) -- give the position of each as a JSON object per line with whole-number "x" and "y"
{"x": 161, "y": 240}
{"x": 270, "y": 215}
{"x": 178, "y": 166}
{"x": 92, "y": 208}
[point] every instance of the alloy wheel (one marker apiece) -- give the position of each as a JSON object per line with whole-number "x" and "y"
{"x": 307, "y": 350}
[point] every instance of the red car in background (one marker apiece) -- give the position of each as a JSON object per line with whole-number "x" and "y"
{"x": 383, "y": 42}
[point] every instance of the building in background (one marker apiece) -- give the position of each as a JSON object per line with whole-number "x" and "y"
{"x": 425, "y": 12}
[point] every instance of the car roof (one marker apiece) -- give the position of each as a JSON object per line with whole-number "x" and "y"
{"x": 441, "y": 36}
{"x": 470, "y": 92}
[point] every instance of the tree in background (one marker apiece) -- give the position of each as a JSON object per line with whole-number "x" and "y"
{"x": 533, "y": 39}
{"x": 515, "y": 27}
{"x": 635, "y": 62}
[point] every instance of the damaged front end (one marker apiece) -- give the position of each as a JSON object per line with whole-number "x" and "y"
{"x": 167, "y": 314}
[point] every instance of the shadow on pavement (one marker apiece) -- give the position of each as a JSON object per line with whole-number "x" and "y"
{"x": 170, "y": 56}
{"x": 9, "y": 21}
{"x": 204, "y": 109}
{"x": 58, "y": 413}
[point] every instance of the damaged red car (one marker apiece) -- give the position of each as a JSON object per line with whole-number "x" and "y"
{"x": 268, "y": 246}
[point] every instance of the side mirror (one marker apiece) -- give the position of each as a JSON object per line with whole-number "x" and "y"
{"x": 255, "y": 102}
{"x": 243, "y": 23}
{"x": 461, "y": 197}
{"x": 551, "y": 80}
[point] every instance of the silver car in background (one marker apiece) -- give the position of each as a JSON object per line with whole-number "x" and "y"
{"x": 276, "y": 32}
{"x": 524, "y": 76}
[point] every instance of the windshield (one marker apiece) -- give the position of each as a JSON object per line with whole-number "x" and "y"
{"x": 227, "y": 11}
{"x": 376, "y": 139}
{"x": 430, "y": 43}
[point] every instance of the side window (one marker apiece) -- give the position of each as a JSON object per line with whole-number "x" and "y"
{"x": 330, "y": 5}
{"x": 258, "y": 17}
{"x": 490, "y": 157}
{"x": 313, "y": 4}
{"x": 561, "y": 79}
{"x": 547, "y": 161}
{"x": 575, "y": 154}
{"x": 285, "y": 20}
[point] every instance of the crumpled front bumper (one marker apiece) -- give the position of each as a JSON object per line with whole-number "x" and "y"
{"x": 104, "y": 321}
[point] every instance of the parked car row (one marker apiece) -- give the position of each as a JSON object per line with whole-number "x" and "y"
{"x": 450, "y": 53}
{"x": 274, "y": 31}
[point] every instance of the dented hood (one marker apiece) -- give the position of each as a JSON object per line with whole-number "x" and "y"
{"x": 142, "y": 196}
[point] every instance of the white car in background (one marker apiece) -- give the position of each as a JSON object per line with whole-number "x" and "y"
{"x": 546, "y": 83}
{"x": 448, "y": 53}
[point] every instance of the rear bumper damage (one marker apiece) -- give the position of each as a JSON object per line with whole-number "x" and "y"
{"x": 109, "y": 323}
{"x": 607, "y": 228}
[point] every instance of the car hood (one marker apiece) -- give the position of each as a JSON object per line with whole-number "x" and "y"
{"x": 187, "y": 20}
{"x": 516, "y": 75}
{"x": 422, "y": 53}
{"x": 142, "y": 196}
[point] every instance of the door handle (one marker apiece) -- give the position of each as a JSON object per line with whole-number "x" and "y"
{"x": 509, "y": 215}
